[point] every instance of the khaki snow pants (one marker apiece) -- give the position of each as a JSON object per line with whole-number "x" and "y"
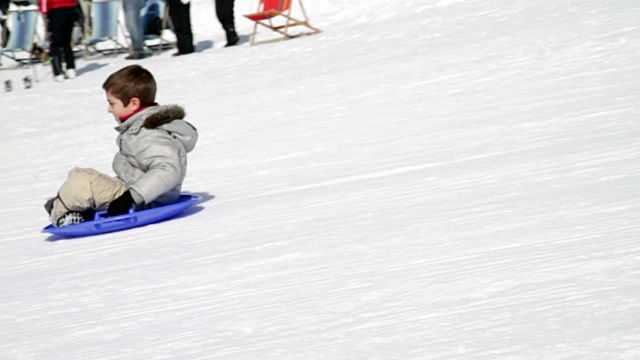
{"x": 86, "y": 189}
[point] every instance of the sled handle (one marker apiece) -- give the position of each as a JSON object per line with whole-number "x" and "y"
{"x": 116, "y": 222}
{"x": 102, "y": 214}
{"x": 105, "y": 223}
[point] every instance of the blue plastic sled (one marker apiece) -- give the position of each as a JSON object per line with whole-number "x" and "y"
{"x": 101, "y": 224}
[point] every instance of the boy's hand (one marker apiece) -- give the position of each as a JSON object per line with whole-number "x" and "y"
{"x": 121, "y": 205}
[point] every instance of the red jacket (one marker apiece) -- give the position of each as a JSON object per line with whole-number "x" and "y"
{"x": 46, "y": 5}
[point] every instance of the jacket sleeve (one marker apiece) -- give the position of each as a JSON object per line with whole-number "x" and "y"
{"x": 160, "y": 161}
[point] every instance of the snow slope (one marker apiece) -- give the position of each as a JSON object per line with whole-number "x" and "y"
{"x": 427, "y": 179}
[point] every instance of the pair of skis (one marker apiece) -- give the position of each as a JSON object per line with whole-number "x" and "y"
{"x": 27, "y": 81}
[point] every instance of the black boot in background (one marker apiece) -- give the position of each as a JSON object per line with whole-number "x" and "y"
{"x": 232, "y": 37}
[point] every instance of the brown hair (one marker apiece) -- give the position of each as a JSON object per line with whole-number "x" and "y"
{"x": 132, "y": 81}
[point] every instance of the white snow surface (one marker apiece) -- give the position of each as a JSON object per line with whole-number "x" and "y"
{"x": 423, "y": 180}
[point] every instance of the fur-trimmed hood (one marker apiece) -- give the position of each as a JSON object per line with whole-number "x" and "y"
{"x": 169, "y": 118}
{"x": 165, "y": 115}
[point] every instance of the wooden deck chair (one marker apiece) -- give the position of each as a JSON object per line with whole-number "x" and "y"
{"x": 276, "y": 15}
{"x": 155, "y": 20}
{"x": 23, "y": 31}
{"x": 104, "y": 27}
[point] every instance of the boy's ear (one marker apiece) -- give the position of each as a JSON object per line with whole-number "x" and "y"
{"x": 135, "y": 102}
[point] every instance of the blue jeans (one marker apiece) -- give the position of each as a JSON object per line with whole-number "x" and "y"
{"x": 134, "y": 22}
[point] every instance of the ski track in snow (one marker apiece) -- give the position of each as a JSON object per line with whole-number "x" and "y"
{"x": 458, "y": 180}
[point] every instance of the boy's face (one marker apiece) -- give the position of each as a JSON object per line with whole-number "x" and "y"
{"x": 118, "y": 109}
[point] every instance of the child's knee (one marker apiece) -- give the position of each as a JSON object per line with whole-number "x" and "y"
{"x": 77, "y": 172}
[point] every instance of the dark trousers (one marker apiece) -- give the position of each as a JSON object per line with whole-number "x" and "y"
{"x": 224, "y": 11}
{"x": 60, "y": 24}
{"x": 4, "y": 7}
{"x": 181, "y": 18}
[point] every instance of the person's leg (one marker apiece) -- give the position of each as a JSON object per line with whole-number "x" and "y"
{"x": 55, "y": 53}
{"x": 224, "y": 12}
{"x": 66, "y": 29}
{"x": 85, "y": 189}
{"x": 133, "y": 22}
{"x": 55, "y": 25}
{"x": 4, "y": 9}
{"x": 80, "y": 18}
{"x": 181, "y": 18}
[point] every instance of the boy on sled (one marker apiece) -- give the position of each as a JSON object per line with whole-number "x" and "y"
{"x": 151, "y": 162}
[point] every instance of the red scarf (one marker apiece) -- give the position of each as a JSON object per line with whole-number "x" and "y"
{"x": 124, "y": 118}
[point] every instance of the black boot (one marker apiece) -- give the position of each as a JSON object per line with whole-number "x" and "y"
{"x": 232, "y": 37}
{"x": 185, "y": 44}
{"x": 75, "y": 217}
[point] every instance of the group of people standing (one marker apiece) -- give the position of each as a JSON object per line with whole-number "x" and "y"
{"x": 61, "y": 16}
{"x": 180, "y": 14}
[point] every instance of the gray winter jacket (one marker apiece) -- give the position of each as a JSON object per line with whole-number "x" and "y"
{"x": 152, "y": 160}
